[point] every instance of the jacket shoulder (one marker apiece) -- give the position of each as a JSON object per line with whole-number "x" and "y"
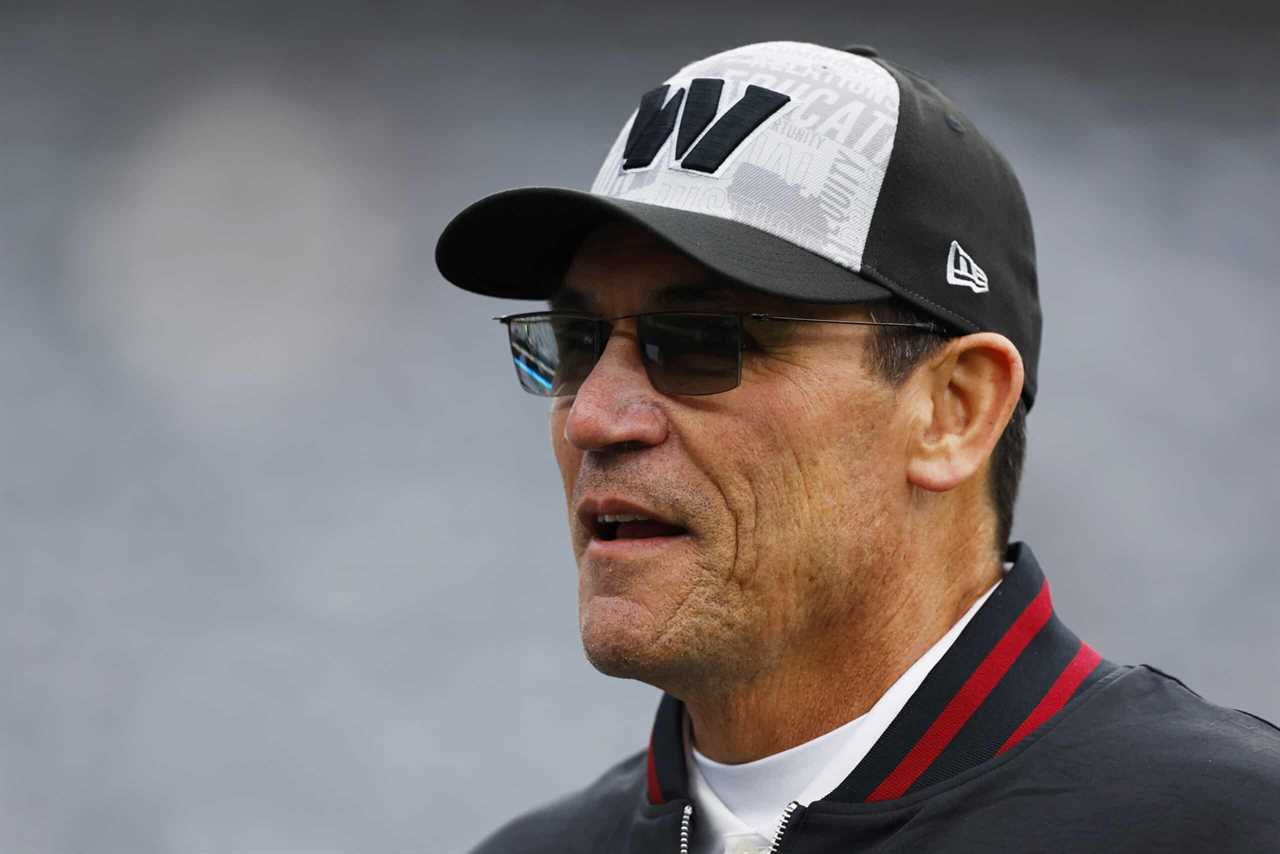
{"x": 1175, "y": 765}
{"x": 1154, "y": 716}
{"x": 586, "y": 816}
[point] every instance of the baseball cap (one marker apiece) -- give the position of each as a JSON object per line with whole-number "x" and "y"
{"x": 819, "y": 174}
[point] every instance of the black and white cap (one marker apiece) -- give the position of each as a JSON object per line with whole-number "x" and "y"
{"x": 818, "y": 174}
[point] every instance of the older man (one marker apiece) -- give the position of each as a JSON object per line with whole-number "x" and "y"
{"x": 792, "y": 340}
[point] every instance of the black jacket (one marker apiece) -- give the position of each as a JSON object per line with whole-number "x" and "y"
{"x": 1021, "y": 739}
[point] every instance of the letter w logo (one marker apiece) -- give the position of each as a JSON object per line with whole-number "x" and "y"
{"x": 656, "y": 118}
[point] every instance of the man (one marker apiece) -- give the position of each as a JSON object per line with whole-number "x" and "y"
{"x": 793, "y": 339}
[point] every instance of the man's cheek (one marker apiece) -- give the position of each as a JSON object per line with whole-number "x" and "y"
{"x": 744, "y": 528}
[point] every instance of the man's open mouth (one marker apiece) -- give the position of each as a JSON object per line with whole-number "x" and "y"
{"x": 629, "y": 526}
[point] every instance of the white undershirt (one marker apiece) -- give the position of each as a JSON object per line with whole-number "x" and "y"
{"x": 738, "y": 807}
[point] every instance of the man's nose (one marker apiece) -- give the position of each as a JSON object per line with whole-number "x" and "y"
{"x": 616, "y": 404}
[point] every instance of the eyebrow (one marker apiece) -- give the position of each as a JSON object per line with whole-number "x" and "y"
{"x": 671, "y": 296}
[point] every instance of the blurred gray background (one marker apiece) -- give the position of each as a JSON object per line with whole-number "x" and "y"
{"x": 286, "y": 568}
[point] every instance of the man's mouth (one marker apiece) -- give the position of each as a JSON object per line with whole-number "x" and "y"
{"x": 630, "y": 526}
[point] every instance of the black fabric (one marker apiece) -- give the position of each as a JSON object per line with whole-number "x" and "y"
{"x": 943, "y": 185}
{"x": 1134, "y": 762}
{"x": 668, "y": 750}
{"x": 654, "y": 122}
{"x": 756, "y": 105}
{"x": 537, "y": 230}
{"x": 704, "y": 100}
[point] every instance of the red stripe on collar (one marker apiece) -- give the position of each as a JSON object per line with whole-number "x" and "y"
{"x": 655, "y": 790}
{"x": 967, "y": 699}
{"x": 1056, "y": 697}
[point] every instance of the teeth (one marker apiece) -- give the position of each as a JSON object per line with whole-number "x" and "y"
{"x": 621, "y": 517}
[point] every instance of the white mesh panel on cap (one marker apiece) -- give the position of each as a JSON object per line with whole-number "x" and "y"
{"x": 810, "y": 174}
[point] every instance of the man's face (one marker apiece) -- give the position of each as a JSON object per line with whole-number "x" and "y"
{"x": 787, "y": 487}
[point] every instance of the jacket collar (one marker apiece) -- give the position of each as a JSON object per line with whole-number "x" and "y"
{"x": 1012, "y": 668}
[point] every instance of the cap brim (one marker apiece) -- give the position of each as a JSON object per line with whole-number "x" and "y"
{"x": 518, "y": 244}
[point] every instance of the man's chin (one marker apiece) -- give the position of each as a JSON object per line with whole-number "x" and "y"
{"x": 621, "y": 638}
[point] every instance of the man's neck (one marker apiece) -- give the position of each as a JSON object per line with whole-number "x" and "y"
{"x": 834, "y": 683}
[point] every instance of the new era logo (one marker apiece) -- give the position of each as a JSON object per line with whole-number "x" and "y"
{"x": 963, "y": 270}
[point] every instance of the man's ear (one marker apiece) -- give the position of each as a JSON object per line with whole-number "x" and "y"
{"x": 967, "y": 394}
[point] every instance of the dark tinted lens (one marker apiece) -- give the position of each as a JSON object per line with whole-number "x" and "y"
{"x": 691, "y": 353}
{"x": 553, "y": 354}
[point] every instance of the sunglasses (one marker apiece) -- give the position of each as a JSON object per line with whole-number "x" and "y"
{"x": 683, "y": 352}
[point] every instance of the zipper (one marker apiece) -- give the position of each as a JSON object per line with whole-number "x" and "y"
{"x": 686, "y": 827}
{"x": 686, "y": 822}
{"x": 782, "y": 826}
